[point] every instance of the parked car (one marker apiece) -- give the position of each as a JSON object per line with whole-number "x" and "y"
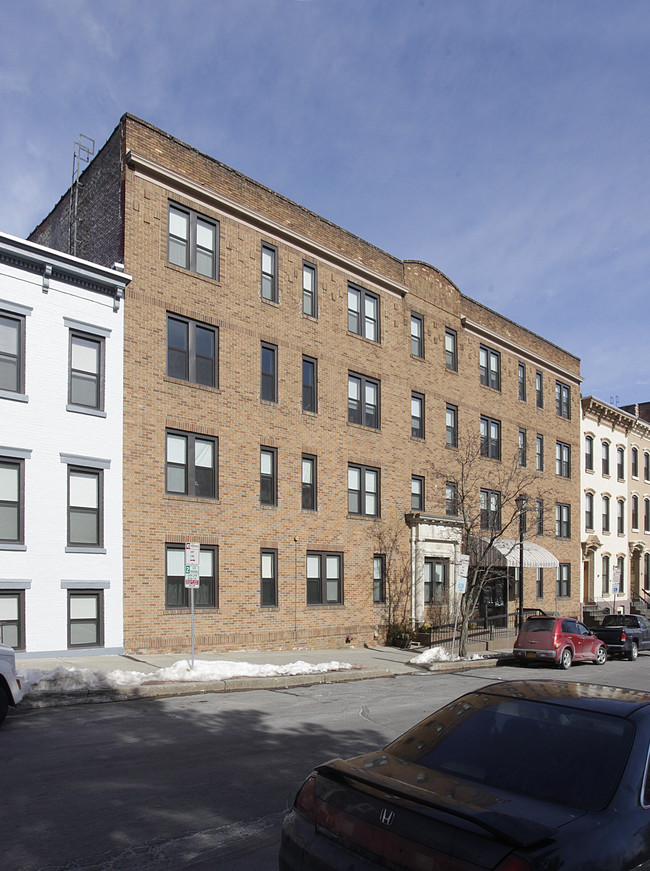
{"x": 625, "y": 634}
{"x": 517, "y": 776}
{"x": 558, "y": 640}
{"x": 11, "y": 691}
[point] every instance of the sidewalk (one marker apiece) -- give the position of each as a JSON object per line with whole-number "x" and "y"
{"x": 365, "y": 662}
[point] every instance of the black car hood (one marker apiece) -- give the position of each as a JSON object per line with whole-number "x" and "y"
{"x": 516, "y": 819}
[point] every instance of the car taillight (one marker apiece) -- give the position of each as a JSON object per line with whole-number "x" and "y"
{"x": 623, "y": 636}
{"x": 306, "y": 798}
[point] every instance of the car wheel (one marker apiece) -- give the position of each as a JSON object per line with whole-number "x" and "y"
{"x": 633, "y": 652}
{"x": 566, "y": 658}
{"x": 601, "y": 656}
{"x": 4, "y": 704}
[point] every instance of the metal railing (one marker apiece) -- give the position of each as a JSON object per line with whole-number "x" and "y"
{"x": 480, "y": 629}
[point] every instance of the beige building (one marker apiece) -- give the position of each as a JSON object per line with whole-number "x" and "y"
{"x": 297, "y": 401}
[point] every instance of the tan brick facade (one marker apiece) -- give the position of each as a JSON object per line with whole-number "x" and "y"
{"x": 156, "y": 169}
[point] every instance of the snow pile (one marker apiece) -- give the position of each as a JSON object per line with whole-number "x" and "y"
{"x": 440, "y": 654}
{"x": 63, "y": 679}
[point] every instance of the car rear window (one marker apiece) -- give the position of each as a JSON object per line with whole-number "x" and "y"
{"x": 530, "y": 748}
{"x": 539, "y": 624}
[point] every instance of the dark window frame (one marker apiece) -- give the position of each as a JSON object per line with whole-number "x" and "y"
{"x": 181, "y": 602}
{"x": 269, "y": 583}
{"x": 417, "y": 421}
{"x": 187, "y": 358}
{"x": 605, "y": 458}
{"x": 606, "y": 507}
{"x": 620, "y": 517}
{"x": 620, "y": 464}
{"x": 269, "y": 482}
{"x": 562, "y": 459}
{"x": 310, "y": 296}
{"x": 18, "y": 624}
{"x": 451, "y": 430}
{"x": 522, "y": 452}
{"x": 19, "y": 465}
{"x": 317, "y": 586}
{"x": 417, "y": 338}
{"x": 309, "y": 489}
{"x": 379, "y": 578}
{"x": 269, "y": 378}
{"x": 635, "y": 512}
{"x": 589, "y": 511}
{"x": 562, "y": 520}
{"x": 190, "y": 464}
{"x": 17, "y": 360}
{"x": 361, "y": 413}
{"x": 357, "y": 321}
{"x": 563, "y": 400}
{"x": 192, "y": 248}
{"x": 490, "y": 447}
{"x": 84, "y": 375}
{"x": 417, "y": 498}
{"x": 269, "y": 280}
{"x": 438, "y": 595}
{"x": 98, "y": 621}
{"x": 589, "y": 453}
{"x": 539, "y": 453}
{"x": 539, "y": 389}
{"x": 521, "y": 382}
{"x": 451, "y": 498}
{"x": 563, "y": 581}
{"x": 310, "y": 391}
{"x": 98, "y": 513}
{"x": 490, "y": 376}
{"x": 490, "y": 516}
{"x": 363, "y": 492}
{"x": 634, "y": 460}
{"x": 451, "y": 353}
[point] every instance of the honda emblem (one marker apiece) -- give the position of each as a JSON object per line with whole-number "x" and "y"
{"x": 387, "y": 817}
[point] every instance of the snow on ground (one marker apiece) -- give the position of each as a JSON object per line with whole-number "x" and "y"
{"x": 440, "y": 654}
{"x": 63, "y": 679}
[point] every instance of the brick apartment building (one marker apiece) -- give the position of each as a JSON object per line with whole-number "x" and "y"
{"x": 294, "y": 401}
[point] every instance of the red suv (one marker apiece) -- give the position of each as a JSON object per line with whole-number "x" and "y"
{"x": 559, "y": 640}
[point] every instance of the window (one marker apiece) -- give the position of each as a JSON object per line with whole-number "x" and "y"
{"x": 363, "y": 400}
{"x": 269, "y": 376}
{"x": 539, "y": 453}
{"x": 646, "y": 571}
{"x": 206, "y": 595}
{"x": 563, "y": 583}
{"x": 589, "y": 454}
{"x": 635, "y": 512}
{"x": 12, "y": 618}
{"x": 269, "y": 578}
{"x": 85, "y": 498}
{"x": 562, "y": 460}
{"x": 646, "y": 515}
{"x": 620, "y": 565}
{"x": 451, "y": 499}
{"x": 268, "y": 476}
{"x": 12, "y": 501}
{"x": 539, "y": 389}
{"x": 193, "y": 241}
{"x": 605, "y": 454}
{"x": 324, "y": 578}
{"x": 635, "y": 462}
{"x": 620, "y": 464}
{"x": 563, "y": 400}
{"x": 539, "y": 516}
{"x": 308, "y": 482}
{"x": 363, "y": 313}
{"x": 562, "y": 520}
{"x": 12, "y": 352}
{"x": 521, "y": 382}
{"x": 86, "y": 385}
{"x": 379, "y": 578}
{"x": 309, "y": 384}
{"x": 436, "y": 580}
{"x": 309, "y": 290}
{"x": 606, "y": 575}
{"x": 589, "y": 510}
{"x": 417, "y": 335}
{"x": 539, "y": 583}
{"x": 451, "y": 420}
{"x": 646, "y": 466}
{"x": 491, "y": 510}
{"x": 417, "y": 493}
{"x": 620, "y": 516}
{"x": 451, "y": 350}
{"x": 490, "y": 438}
{"x": 521, "y": 455}
{"x": 605, "y": 513}
{"x": 490, "y": 367}
{"x": 191, "y": 465}
{"x": 191, "y": 351}
{"x": 363, "y": 491}
{"x": 417, "y": 415}
{"x": 85, "y": 618}
{"x": 269, "y": 272}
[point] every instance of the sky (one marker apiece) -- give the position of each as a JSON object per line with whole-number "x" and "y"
{"x": 505, "y": 142}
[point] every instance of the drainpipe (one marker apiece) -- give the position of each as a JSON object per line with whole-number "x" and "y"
{"x": 413, "y": 574}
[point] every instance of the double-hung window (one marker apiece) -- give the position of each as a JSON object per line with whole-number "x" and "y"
{"x": 620, "y": 464}
{"x": 193, "y": 241}
{"x": 490, "y": 438}
{"x": 363, "y": 490}
{"x": 86, "y": 369}
{"x": 268, "y": 476}
{"x": 635, "y": 512}
{"x": 436, "y": 580}
{"x": 563, "y": 582}
{"x": 490, "y": 509}
{"x": 379, "y": 578}
{"x": 562, "y": 460}
{"x": 562, "y": 520}
{"x": 363, "y": 400}
{"x": 635, "y": 462}
{"x": 539, "y": 453}
{"x": 451, "y": 498}
{"x": 539, "y": 517}
{"x": 85, "y": 507}
{"x": 451, "y": 426}
{"x": 589, "y": 453}
{"x": 12, "y": 618}
{"x": 646, "y": 466}
{"x": 363, "y": 313}
{"x": 522, "y": 448}
{"x": 620, "y": 516}
{"x": 521, "y": 382}
{"x": 269, "y": 373}
{"x": 605, "y": 456}
{"x": 417, "y": 493}
{"x": 605, "y": 514}
{"x": 12, "y": 501}
{"x": 451, "y": 350}
{"x": 12, "y": 352}
{"x": 324, "y": 578}
{"x": 85, "y": 618}
{"x": 606, "y": 575}
{"x": 269, "y": 578}
{"x": 269, "y": 272}
{"x": 563, "y": 400}
{"x": 309, "y": 290}
{"x": 308, "y": 482}
{"x": 417, "y": 415}
{"x": 417, "y": 335}
{"x": 539, "y": 389}
{"x": 309, "y": 384}
{"x": 206, "y": 595}
{"x": 191, "y": 351}
{"x": 646, "y": 515}
{"x": 589, "y": 510}
{"x": 191, "y": 464}
{"x": 490, "y": 367}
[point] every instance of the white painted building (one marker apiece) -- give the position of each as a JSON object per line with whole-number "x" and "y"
{"x": 61, "y": 387}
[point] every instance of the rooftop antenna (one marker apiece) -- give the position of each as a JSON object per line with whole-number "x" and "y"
{"x": 84, "y": 149}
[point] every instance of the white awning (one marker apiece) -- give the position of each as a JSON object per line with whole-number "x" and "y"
{"x": 505, "y": 552}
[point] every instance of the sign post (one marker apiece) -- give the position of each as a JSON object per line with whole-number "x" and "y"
{"x": 192, "y": 577}
{"x": 462, "y": 567}
{"x": 616, "y": 584}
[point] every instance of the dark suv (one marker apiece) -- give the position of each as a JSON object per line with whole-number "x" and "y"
{"x": 558, "y": 640}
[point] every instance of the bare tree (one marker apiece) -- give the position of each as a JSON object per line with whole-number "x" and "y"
{"x": 390, "y": 540}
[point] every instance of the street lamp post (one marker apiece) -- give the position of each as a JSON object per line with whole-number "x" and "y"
{"x": 521, "y": 507}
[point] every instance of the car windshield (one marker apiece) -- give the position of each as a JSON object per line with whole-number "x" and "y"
{"x": 539, "y": 624}
{"x": 530, "y": 748}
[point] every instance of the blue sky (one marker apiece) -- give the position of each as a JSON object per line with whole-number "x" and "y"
{"x": 506, "y": 142}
